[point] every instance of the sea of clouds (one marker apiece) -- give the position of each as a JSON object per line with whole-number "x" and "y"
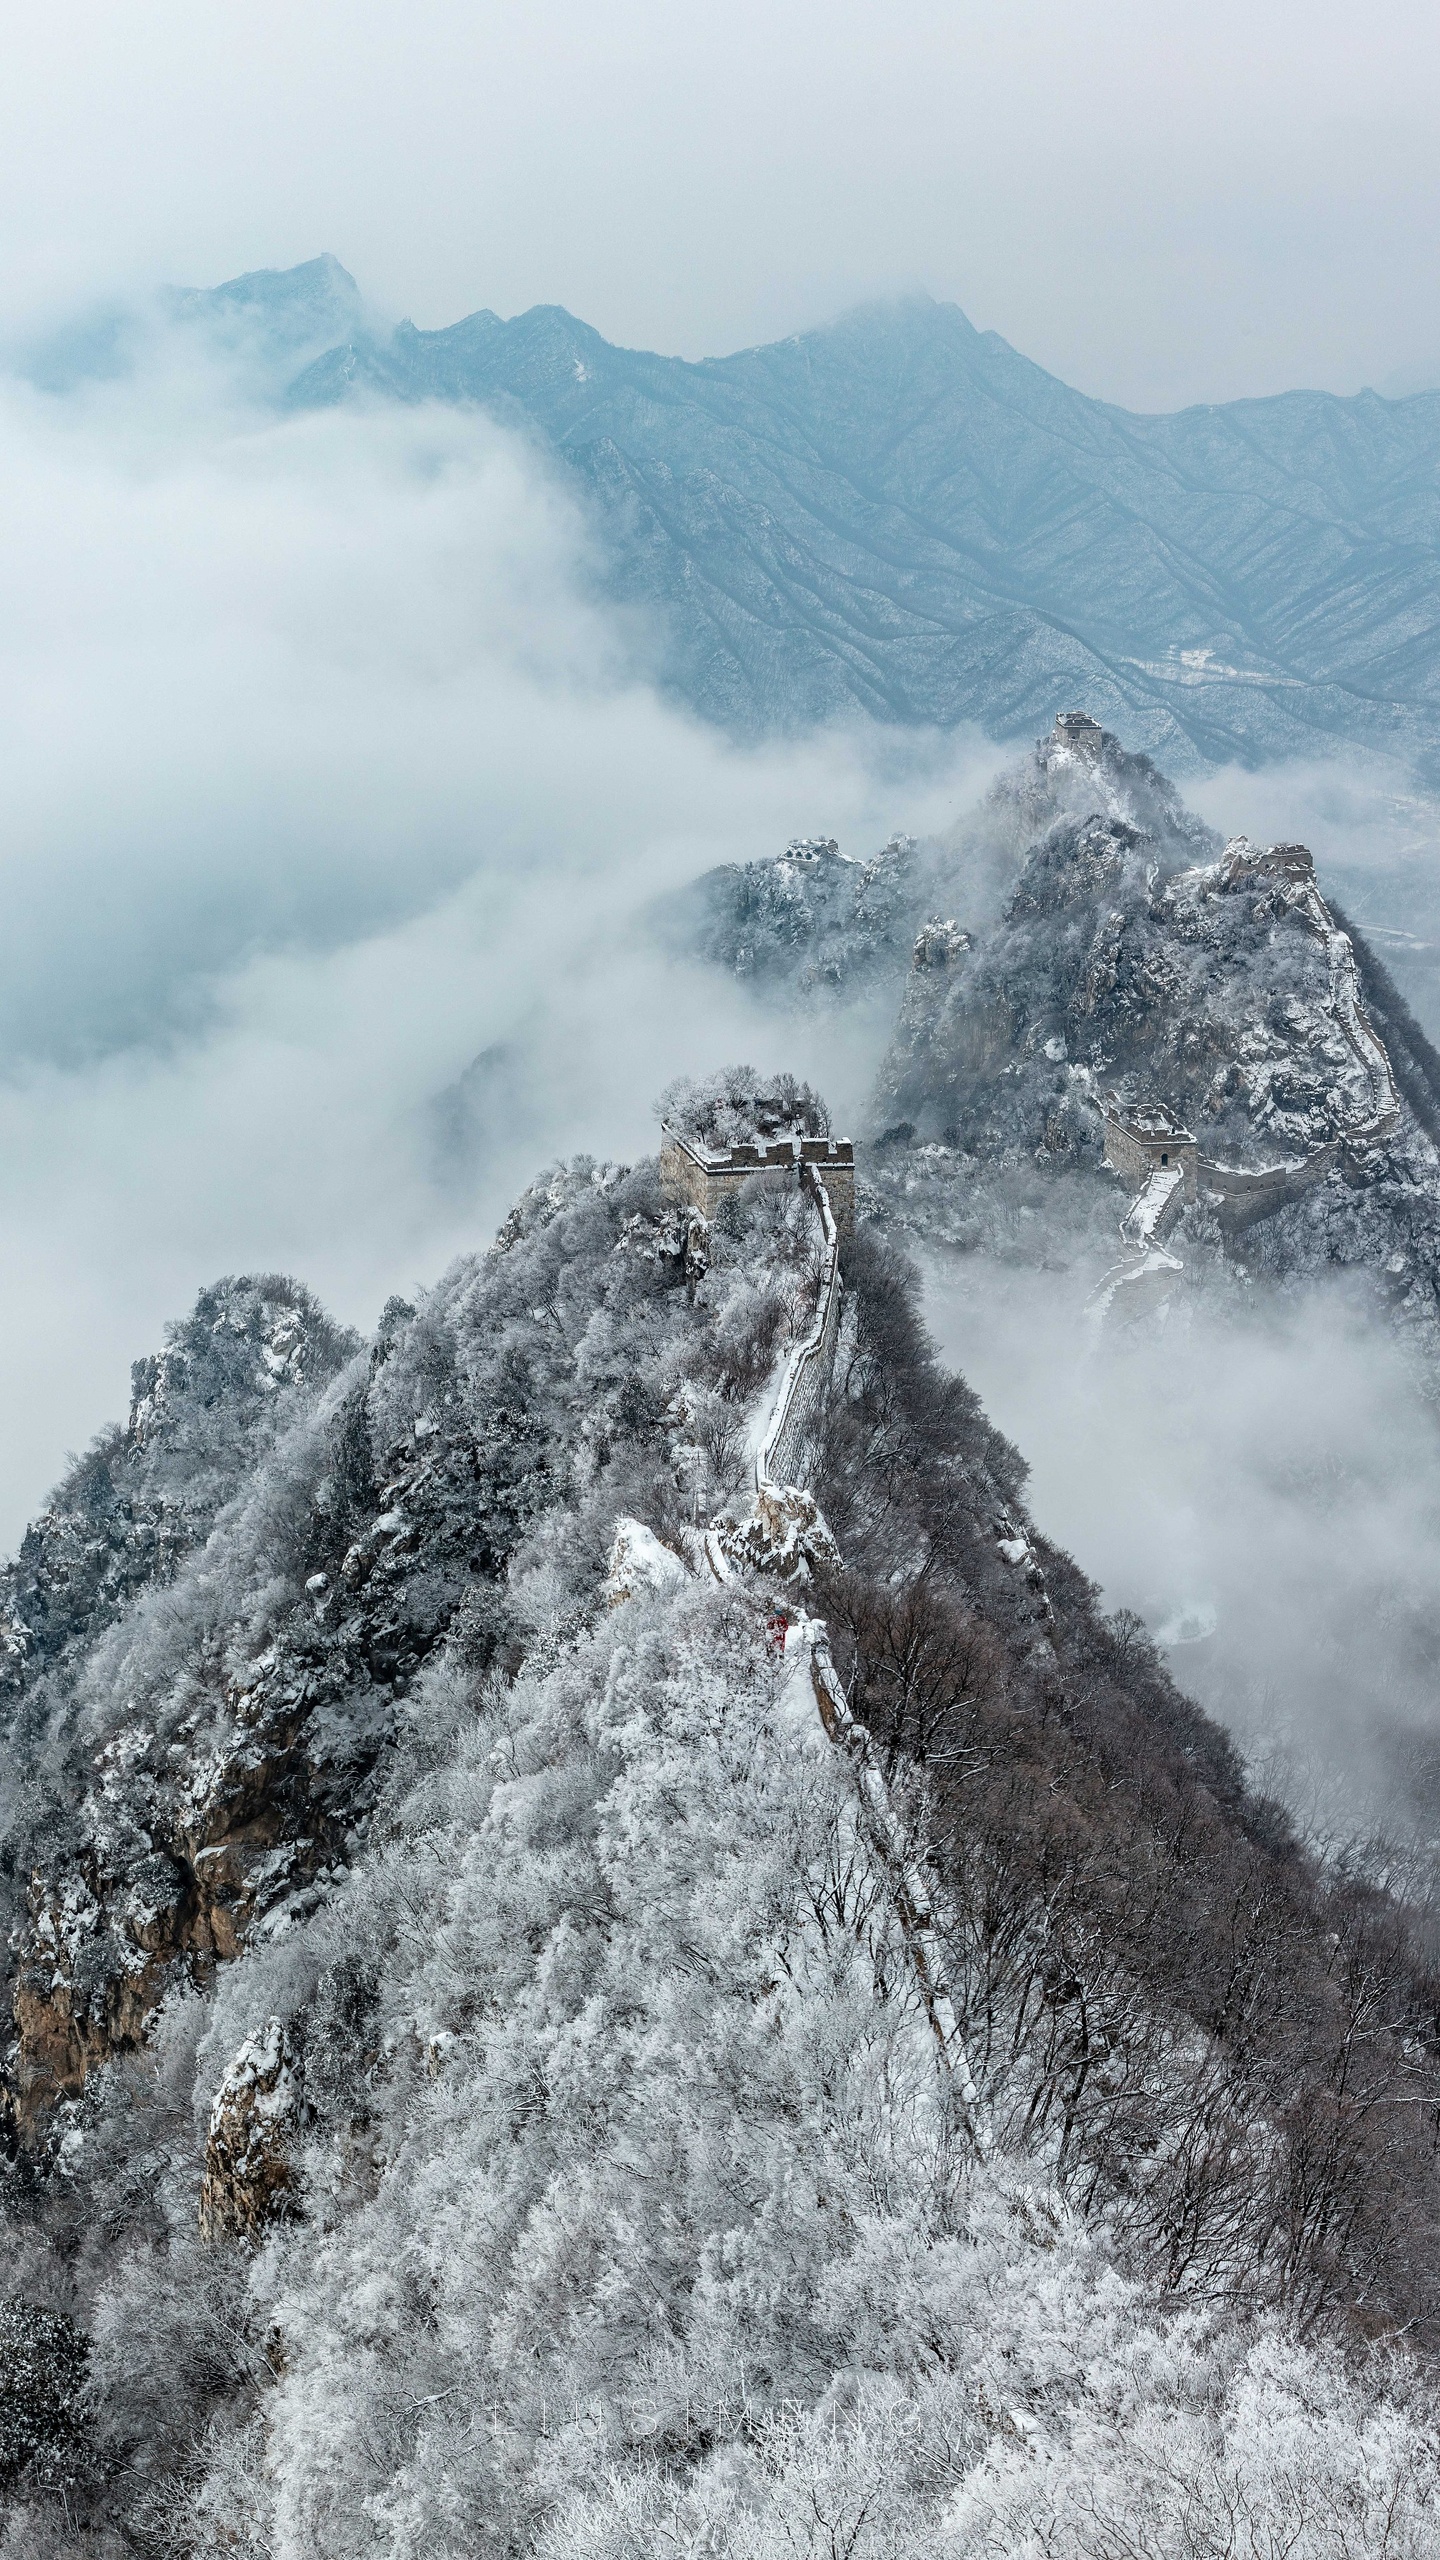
{"x": 334, "y": 801}
{"x": 1257, "y": 1475}
{"x": 323, "y": 772}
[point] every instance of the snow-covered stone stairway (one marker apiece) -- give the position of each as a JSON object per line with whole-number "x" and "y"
{"x": 785, "y": 1529}
{"x": 1153, "y": 1209}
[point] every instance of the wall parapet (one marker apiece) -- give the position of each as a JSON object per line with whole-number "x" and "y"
{"x": 707, "y": 1175}
{"x": 785, "y": 1455}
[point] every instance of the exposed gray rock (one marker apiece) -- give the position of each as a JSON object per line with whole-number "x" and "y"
{"x": 254, "y": 2117}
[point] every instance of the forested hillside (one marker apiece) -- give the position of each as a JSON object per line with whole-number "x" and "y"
{"x": 472, "y": 2088}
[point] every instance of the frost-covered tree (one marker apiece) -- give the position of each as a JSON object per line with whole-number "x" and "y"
{"x": 737, "y": 1106}
{"x": 634, "y": 2110}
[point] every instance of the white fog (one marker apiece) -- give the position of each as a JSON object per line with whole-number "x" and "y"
{"x": 322, "y": 771}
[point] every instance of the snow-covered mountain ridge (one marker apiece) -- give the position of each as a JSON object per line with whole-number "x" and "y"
{"x": 549, "y": 2149}
{"x": 1084, "y": 948}
{"x": 812, "y": 923}
{"x": 1122, "y": 973}
{"x": 900, "y": 512}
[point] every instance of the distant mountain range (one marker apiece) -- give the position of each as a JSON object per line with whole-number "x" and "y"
{"x": 901, "y": 515}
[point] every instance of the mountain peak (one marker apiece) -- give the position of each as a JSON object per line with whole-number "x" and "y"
{"x": 901, "y": 514}
{"x": 290, "y": 308}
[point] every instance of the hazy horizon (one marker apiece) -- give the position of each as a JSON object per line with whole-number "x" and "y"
{"x": 79, "y": 309}
{"x": 1154, "y": 219}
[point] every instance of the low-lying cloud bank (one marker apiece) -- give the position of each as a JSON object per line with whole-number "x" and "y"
{"x": 1260, "y": 1480}
{"x": 323, "y": 772}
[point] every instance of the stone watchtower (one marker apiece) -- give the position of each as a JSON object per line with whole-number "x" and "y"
{"x": 691, "y": 1169}
{"x": 1142, "y": 1138}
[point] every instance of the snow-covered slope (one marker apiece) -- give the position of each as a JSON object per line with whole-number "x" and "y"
{"x": 543, "y": 2024}
{"x": 143, "y": 1498}
{"x": 900, "y": 514}
{"x": 814, "y": 925}
{"x": 1081, "y": 946}
{"x": 811, "y": 925}
{"x": 665, "y": 2235}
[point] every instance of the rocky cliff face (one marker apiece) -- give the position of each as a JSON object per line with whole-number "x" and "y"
{"x": 815, "y": 926}
{"x": 156, "y": 1856}
{"x": 178, "y": 1786}
{"x": 1085, "y": 947}
{"x": 1224, "y": 990}
{"x": 255, "y": 2119}
{"x": 1137, "y": 963}
{"x": 202, "y": 1412}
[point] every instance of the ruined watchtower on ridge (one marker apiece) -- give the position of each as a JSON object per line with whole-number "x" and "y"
{"x": 716, "y": 1138}
{"x": 706, "y": 1175}
{"x": 1141, "y": 1138}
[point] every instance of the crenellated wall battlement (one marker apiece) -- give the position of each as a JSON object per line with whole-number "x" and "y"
{"x": 707, "y": 1175}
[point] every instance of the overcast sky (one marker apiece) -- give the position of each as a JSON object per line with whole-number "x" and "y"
{"x": 1160, "y": 203}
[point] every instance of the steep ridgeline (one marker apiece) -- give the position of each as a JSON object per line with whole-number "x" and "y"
{"x": 1138, "y": 966}
{"x": 813, "y": 925}
{"x": 123, "y": 1532}
{"x": 269, "y": 321}
{"x": 203, "y": 1412}
{"x": 900, "y": 513}
{"x": 737, "y": 2002}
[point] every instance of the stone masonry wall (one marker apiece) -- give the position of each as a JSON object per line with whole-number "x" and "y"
{"x": 707, "y": 1177}
{"x": 1136, "y": 1154}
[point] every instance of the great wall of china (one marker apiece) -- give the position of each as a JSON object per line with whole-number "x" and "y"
{"x": 705, "y": 1175}
{"x": 1151, "y": 1146}
{"x": 771, "y": 1543}
{"x": 768, "y": 1544}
